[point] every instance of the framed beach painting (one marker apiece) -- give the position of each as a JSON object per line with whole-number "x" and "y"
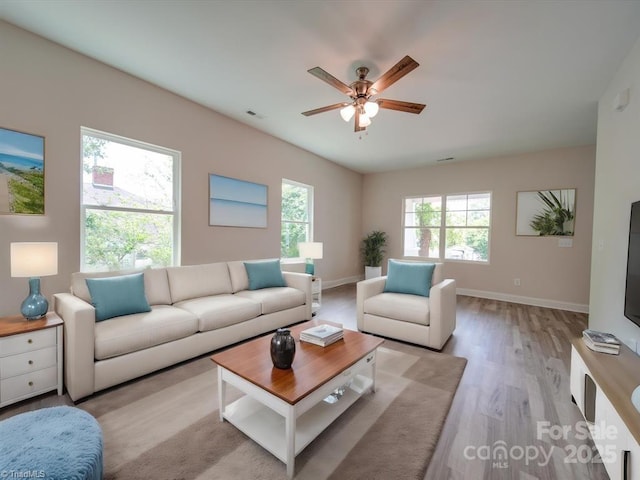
{"x": 21, "y": 173}
{"x": 237, "y": 203}
{"x": 544, "y": 213}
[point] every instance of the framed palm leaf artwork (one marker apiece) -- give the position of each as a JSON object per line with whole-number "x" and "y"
{"x": 544, "y": 213}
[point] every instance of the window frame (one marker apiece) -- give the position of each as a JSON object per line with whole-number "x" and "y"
{"x": 442, "y": 240}
{"x": 310, "y": 203}
{"x": 176, "y": 199}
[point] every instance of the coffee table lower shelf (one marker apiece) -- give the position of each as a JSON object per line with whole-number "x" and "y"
{"x": 267, "y": 428}
{"x": 284, "y": 429}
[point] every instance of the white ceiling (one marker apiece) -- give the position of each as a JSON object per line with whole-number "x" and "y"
{"x": 498, "y": 77}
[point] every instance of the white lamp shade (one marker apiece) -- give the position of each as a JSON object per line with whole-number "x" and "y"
{"x": 347, "y": 112}
{"x": 310, "y": 249}
{"x": 365, "y": 121}
{"x": 371, "y": 109}
{"x": 34, "y": 259}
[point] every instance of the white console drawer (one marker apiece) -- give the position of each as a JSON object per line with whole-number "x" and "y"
{"x": 28, "y": 362}
{"x": 28, "y": 384}
{"x": 26, "y": 342}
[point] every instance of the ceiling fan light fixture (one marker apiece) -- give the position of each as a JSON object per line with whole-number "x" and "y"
{"x": 362, "y": 91}
{"x": 365, "y": 121}
{"x": 347, "y": 112}
{"x": 371, "y": 108}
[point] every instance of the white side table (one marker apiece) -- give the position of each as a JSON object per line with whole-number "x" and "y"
{"x": 30, "y": 357}
{"x": 316, "y": 294}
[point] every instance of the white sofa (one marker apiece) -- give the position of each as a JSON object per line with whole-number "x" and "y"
{"x": 427, "y": 321}
{"x": 194, "y": 310}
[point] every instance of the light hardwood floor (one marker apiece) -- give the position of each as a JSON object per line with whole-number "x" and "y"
{"x": 517, "y": 376}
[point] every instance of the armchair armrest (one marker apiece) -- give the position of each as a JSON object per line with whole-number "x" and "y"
{"x": 79, "y": 340}
{"x": 301, "y": 281}
{"x": 364, "y": 290}
{"x": 442, "y": 302}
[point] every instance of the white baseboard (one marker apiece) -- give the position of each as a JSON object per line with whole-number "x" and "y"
{"x": 341, "y": 281}
{"x": 536, "y": 302}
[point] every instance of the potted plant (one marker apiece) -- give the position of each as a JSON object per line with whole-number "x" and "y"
{"x": 373, "y": 253}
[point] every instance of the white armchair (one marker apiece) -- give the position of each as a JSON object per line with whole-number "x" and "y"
{"x": 427, "y": 321}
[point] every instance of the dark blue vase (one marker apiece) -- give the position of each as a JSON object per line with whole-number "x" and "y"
{"x": 283, "y": 348}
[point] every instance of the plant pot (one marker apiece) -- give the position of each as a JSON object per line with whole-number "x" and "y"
{"x": 372, "y": 272}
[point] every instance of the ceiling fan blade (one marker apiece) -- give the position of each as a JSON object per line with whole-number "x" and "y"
{"x": 331, "y": 80}
{"x": 394, "y": 74}
{"x": 401, "y": 106}
{"x": 325, "y": 109}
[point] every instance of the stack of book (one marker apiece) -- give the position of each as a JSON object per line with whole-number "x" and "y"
{"x": 322, "y": 335}
{"x": 601, "y": 342}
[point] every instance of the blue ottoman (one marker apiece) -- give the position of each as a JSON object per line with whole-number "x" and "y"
{"x": 53, "y": 443}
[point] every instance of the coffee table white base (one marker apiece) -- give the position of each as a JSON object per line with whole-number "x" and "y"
{"x": 285, "y": 429}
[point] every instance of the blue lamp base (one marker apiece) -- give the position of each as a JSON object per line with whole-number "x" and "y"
{"x": 35, "y": 306}
{"x": 309, "y": 268}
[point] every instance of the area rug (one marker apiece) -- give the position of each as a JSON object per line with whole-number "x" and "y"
{"x": 166, "y": 425}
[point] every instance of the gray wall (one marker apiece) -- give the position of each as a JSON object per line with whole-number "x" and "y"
{"x": 51, "y": 91}
{"x": 617, "y": 186}
{"x": 549, "y": 275}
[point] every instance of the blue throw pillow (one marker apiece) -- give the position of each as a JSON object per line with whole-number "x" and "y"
{"x": 409, "y": 277}
{"x": 116, "y": 296}
{"x": 264, "y": 274}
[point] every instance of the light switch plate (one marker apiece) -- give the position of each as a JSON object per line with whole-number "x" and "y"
{"x": 565, "y": 242}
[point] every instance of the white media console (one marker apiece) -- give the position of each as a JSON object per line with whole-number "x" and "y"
{"x": 601, "y": 386}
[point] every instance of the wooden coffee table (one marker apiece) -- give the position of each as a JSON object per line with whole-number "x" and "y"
{"x": 283, "y": 410}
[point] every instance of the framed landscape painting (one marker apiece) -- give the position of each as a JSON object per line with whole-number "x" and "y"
{"x": 237, "y": 203}
{"x": 544, "y": 213}
{"x": 21, "y": 173}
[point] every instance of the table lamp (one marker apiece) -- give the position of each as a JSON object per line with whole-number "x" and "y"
{"x": 34, "y": 260}
{"x": 310, "y": 251}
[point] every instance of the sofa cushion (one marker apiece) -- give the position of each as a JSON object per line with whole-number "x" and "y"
{"x": 194, "y": 281}
{"x": 275, "y": 299}
{"x": 220, "y": 310}
{"x": 409, "y": 277}
{"x": 131, "y": 333}
{"x": 238, "y": 274}
{"x": 116, "y": 296}
{"x": 399, "y": 306}
{"x": 156, "y": 284}
{"x": 438, "y": 274}
{"x": 264, "y": 274}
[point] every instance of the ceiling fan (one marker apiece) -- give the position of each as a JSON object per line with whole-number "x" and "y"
{"x": 362, "y": 106}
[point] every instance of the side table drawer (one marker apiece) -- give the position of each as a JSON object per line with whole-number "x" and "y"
{"x": 29, "y": 383}
{"x": 26, "y": 342}
{"x": 28, "y": 362}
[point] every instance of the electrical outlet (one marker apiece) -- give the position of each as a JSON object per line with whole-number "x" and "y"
{"x": 516, "y": 282}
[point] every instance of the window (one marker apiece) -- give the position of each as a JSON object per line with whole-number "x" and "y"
{"x": 423, "y": 223}
{"x": 297, "y": 217}
{"x": 451, "y": 227}
{"x": 130, "y": 199}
